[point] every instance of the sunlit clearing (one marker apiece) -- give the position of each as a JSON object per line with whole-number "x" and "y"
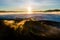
{"x": 12, "y": 24}
{"x": 8, "y": 22}
{"x": 29, "y": 10}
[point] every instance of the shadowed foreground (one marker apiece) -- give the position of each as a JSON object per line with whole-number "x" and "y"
{"x": 30, "y": 30}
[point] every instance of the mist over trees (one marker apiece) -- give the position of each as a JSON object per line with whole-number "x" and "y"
{"x": 32, "y": 30}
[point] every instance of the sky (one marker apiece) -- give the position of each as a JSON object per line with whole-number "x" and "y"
{"x": 24, "y": 4}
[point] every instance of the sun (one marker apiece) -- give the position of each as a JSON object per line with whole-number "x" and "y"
{"x": 29, "y": 10}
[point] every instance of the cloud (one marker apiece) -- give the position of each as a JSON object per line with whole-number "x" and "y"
{"x": 25, "y": 3}
{"x": 14, "y": 3}
{"x": 43, "y": 3}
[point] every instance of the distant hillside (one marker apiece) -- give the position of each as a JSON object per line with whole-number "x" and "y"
{"x": 10, "y": 11}
{"x": 53, "y": 10}
{"x": 44, "y": 28}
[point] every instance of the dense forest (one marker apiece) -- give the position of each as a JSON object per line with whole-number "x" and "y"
{"x": 30, "y": 30}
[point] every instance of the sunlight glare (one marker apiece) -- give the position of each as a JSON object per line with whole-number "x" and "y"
{"x": 29, "y": 10}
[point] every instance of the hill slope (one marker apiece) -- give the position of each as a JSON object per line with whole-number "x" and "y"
{"x": 28, "y": 29}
